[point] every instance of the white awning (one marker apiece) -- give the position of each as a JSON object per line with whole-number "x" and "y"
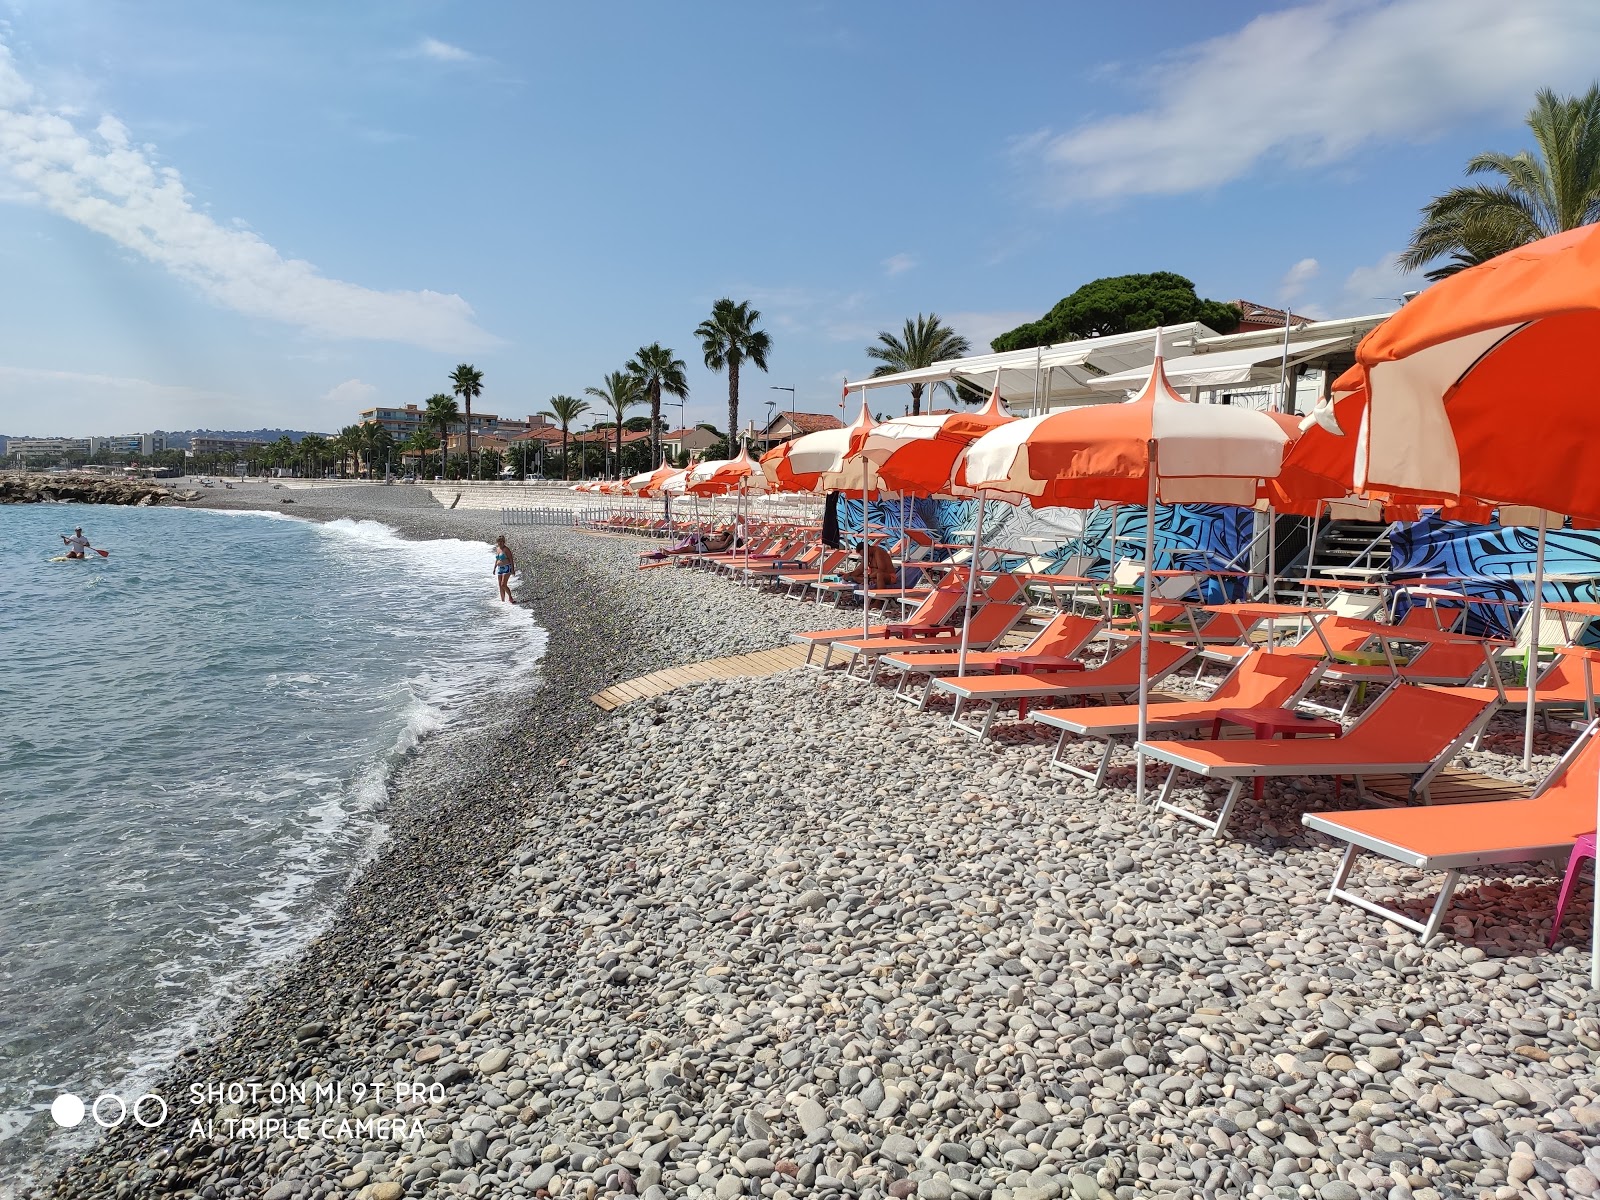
{"x": 1062, "y": 373}
{"x": 1254, "y": 364}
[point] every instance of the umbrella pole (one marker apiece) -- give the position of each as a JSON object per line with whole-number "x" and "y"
{"x": 1311, "y": 546}
{"x": 904, "y": 547}
{"x": 1144, "y": 625}
{"x": 1535, "y": 606}
{"x": 1272, "y": 557}
{"x": 972, "y": 577}
{"x": 866, "y": 594}
{"x": 1594, "y": 921}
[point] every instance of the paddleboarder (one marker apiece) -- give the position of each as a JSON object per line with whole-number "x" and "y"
{"x": 76, "y": 544}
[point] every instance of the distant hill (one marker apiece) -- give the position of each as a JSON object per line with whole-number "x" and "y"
{"x": 181, "y": 439}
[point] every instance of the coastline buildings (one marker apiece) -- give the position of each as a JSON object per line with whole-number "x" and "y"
{"x": 201, "y": 445}
{"x": 77, "y": 449}
{"x": 404, "y": 421}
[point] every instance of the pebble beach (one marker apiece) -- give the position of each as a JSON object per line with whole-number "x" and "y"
{"x": 787, "y": 937}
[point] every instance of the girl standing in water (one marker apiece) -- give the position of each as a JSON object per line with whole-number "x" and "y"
{"x": 505, "y": 563}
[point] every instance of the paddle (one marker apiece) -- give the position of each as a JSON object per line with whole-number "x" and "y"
{"x": 100, "y": 552}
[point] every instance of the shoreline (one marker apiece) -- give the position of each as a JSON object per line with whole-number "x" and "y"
{"x": 461, "y": 787}
{"x": 788, "y": 937}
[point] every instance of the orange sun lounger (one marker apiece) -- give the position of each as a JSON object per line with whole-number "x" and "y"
{"x": 1455, "y": 837}
{"x": 1410, "y": 730}
{"x": 936, "y": 609}
{"x": 1117, "y": 677}
{"x": 1063, "y": 636}
{"x": 1260, "y": 680}
{"x": 986, "y": 626}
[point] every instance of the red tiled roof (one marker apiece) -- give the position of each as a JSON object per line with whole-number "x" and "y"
{"x": 542, "y": 433}
{"x": 609, "y": 436}
{"x": 1262, "y": 315}
{"x": 808, "y": 422}
{"x": 679, "y": 434}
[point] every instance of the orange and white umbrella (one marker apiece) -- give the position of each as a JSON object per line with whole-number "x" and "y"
{"x": 1186, "y": 453}
{"x": 1156, "y": 446}
{"x": 648, "y": 483}
{"x": 823, "y": 461}
{"x": 1483, "y": 385}
{"x": 920, "y": 454}
{"x": 721, "y": 476}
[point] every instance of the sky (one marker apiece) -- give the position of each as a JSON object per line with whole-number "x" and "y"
{"x": 240, "y": 216}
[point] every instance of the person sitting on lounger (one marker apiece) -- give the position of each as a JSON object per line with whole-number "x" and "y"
{"x": 881, "y": 575}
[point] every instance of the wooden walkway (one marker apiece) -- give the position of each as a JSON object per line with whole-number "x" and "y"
{"x": 762, "y": 662}
{"x": 1451, "y": 786}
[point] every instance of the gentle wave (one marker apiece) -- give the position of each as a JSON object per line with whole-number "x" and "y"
{"x": 210, "y": 720}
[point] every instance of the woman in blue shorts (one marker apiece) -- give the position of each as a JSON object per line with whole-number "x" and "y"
{"x": 505, "y": 563}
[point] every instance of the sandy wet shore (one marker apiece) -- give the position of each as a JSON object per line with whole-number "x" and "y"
{"x": 788, "y": 937}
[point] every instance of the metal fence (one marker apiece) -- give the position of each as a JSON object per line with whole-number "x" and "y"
{"x": 538, "y": 516}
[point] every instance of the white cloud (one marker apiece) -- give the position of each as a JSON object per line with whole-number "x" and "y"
{"x": 898, "y": 264}
{"x": 1377, "y": 288}
{"x": 352, "y": 395}
{"x": 439, "y": 51}
{"x": 105, "y": 183}
{"x": 1315, "y": 83}
{"x": 1293, "y": 284}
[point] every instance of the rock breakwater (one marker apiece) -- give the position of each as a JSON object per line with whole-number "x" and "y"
{"x": 86, "y": 489}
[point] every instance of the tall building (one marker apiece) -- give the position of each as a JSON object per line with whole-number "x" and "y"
{"x": 200, "y": 444}
{"x": 32, "y": 449}
{"x": 144, "y": 444}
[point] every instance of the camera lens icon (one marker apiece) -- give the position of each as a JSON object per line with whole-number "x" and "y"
{"x": 109, "y": 1110}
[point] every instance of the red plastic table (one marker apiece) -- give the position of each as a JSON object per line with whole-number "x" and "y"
{"x": 1023, "y": 663}
{"x": 1267, "y": 723}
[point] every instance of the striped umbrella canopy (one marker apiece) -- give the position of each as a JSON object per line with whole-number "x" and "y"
{"x": 823, "y": 461}
{"x": 920, "y": 455}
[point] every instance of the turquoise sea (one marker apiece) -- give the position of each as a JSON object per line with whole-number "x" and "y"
{"x": 197, "y": 734}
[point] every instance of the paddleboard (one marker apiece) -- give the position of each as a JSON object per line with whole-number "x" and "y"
{"x": 65, "y": 558}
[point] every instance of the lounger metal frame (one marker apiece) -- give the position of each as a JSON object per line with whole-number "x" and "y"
{"x": 1109, "y": 694}
{"x": 1245, "y": 773}
{"x": 1155, "y": 724}
{"x": 1451, "y": 864}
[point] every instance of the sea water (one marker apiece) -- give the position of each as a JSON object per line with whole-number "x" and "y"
{"x": 195, "y": 739}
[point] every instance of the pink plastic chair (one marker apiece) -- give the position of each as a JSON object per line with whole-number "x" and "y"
{"x": 1581, "y": 849}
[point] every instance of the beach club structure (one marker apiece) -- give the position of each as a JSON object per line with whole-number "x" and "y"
{"x": 1338, "y": 550}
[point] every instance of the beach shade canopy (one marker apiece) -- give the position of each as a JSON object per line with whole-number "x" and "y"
{"x": 1484, "y": 385}
{"x": 1156, "y": 446}
{"x": 920, "y": 455}
{"x": 721, "y": 476}
{"x": 648, "y": 483}
{"x": 1193, "y": 453}
{"x": 1319, "y": 469}
{"x": 822, "y": 461}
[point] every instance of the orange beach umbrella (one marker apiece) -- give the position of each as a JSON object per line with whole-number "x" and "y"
{"x": 1156, "y": 446}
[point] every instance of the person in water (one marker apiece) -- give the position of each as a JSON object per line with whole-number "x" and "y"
{"x": 76, "y": 544}
{"x": 505, "y": 563}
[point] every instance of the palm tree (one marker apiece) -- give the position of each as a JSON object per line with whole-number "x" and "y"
{"x": 376, "y": 441}
{"x": 1537, "y": 194}
{"x": 565, "y": 410}
{"x": 443, "y": 412}
{"x": 421, "y": 441}
{"x": 925, "y": 341}
{"x": 728, "y": 337}
{"x": 467, "y": 382}
{"x": 348, "y": 445}
{"x": 310, "y": 450}
{"x": 620, "y": 391}
{"x": 660, "y": 372}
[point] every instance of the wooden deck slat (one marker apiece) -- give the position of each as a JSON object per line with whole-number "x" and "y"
{"x": 756, "y": 664}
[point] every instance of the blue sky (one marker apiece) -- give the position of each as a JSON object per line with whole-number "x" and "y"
{"x": 240, "y": 215}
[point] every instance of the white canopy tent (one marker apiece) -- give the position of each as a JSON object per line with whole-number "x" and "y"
{"x": 1049, "y": 376}
{"x": 1221, "y": 368}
